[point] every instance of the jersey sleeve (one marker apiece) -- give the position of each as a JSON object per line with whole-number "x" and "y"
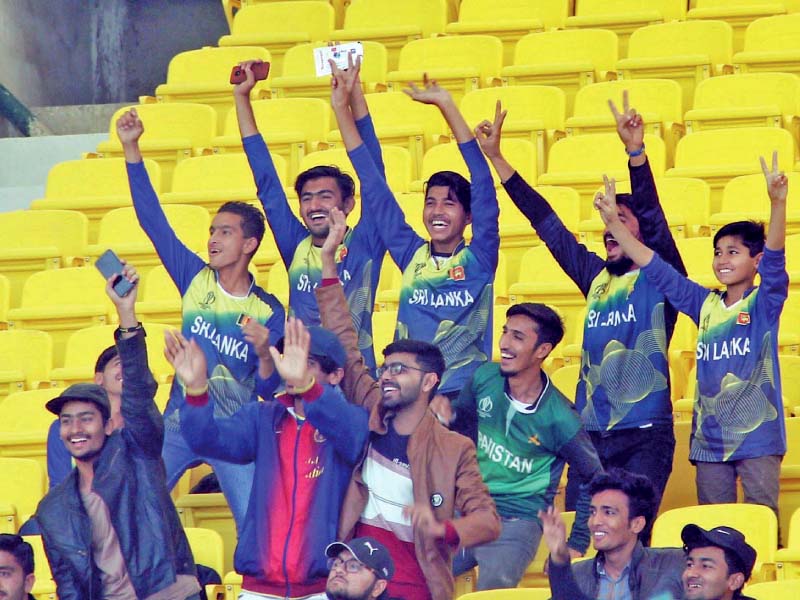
{"x": 683, "y": 293}
{"x": 580, "y": 454}
{"x": 485, "y": 243}
{"x": 232, "y": 439}
{"x": 366, "y": 129}
{"x": 774, "y": 281}
{"x": 465, "y": 413}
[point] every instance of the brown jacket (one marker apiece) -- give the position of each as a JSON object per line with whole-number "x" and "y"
{"x": 444, "y": 467}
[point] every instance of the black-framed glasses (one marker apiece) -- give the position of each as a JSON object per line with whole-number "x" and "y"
{"x": 351, "y": 565}
{"x": 396, "y": 368}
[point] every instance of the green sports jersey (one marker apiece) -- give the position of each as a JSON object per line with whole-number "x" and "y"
{"x": 519, "y": 445}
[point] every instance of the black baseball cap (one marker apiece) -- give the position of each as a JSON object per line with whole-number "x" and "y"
{"x": 324, "y": 343}
{"x": 82, "y": 392}
{"x": 724, "y": 537}
{"x": 369, "y": 552}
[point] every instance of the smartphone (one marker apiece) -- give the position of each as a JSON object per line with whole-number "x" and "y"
{"x": 260, "y": 70}
{"x": 338, "y": 54}
{"x": 108, "y": 264}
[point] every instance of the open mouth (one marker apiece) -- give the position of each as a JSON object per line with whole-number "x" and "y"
{"x": 78, "y": 442}
{"x": 438, "y": 224}
{"x": 317, "y": 216}
{"x": 389, "y": 387}
{"x": 507, "y": 355}
{"x": 610, "y": 242}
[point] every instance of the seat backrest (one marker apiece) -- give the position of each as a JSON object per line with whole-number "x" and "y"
{"x": 212, "y": 65}
{"x": 600, "y": 153}
{"x": 85, "y": 345}
{"x": 429, "y": 15}
{"x": 120, "y": 226}
{"x": 309, "y": 117}
{"x": 596, "y": 46}
{"x": 60, "y": 287}
{"x": 66, "y": 230}
{"x": 183, "y": 123}
{"x": 314, "y": 18}
{"x": 710, "y": 38}
{"x": 509, "y": 594}
{"x": 747, "y": 3}
{"x": 97, "y": 177}
{"x": 28, "y": 351}
{"x": 219, "y": 173}
{"x": 41, "y": 568}
{"x": 459, "y": 51}
{"x": 278, "y": 282}
{"x": 774, "y": 590}
{"x": 159, "y": 286}
{"x": 750, "y": 89}
{"x": 740, "y": 147}
{"x": 552, "y": 13}
{"x": 688, "y": 196}
{"x": 25, "y": 411}
{"x": 697, "y": 254}
{"x": 662, "y": 97}
{"x": 781, "y": 32}
{"x": 668, "y": 9}
{"x": 748, "y": 193}
{"x": 566, "y": 201}
{"x": 524, "y": 103}
{"x": 447, "y": 157}
{"x": 546, "y": 268}
{"x": 566, "y": 380}
{"x": 207, "y": 547}
{"x": 299, "y": 61}
{"x": 23, "y": 483}
{"x": 5, "y": 298}
{"x": 396, "y": 108}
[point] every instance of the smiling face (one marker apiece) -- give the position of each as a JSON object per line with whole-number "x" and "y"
{"x": 613, "y": 251}
{"x": 519, "y": 346}
{"x": 707, "y": 577}
{"x": 317, "y": 198}
{"x": 609, "y": 523}
{"x": 227, "y": 244}
{"x": 82, "y": 430}
{"x": 732, "y": 262}
{"x": 406, "y": 387}
{"x": 14, "y": 584}
{"x": 445, "y": 218}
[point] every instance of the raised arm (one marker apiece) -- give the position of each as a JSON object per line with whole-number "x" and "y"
{"x": 241, "y": 99}
{"x": 431, "y": 93}
{"x": 562, "y": 580}
{"x": 778, "y": 190}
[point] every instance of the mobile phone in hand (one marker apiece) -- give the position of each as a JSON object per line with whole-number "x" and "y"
{"x": 110, "y": 265}
{"x": 260, "y": 70}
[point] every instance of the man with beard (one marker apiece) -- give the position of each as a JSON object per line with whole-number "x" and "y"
{"x": 359, "y": 570}
{"x": 418, "y": 490}
{"x": 526, "y": 431}
{"x": 623, "y": 388}
{"x": 16, "y": 568}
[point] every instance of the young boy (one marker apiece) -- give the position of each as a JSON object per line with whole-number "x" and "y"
{"x": 738, "y": 427}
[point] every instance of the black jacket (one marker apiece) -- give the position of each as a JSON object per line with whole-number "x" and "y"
{"x": 129, "y": 476}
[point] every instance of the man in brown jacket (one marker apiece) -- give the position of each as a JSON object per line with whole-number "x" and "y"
{"x": 416, "y": 473}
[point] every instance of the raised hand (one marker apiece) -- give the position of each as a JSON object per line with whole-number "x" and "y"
{"x": 337, "y": 226}
{"x": 293, "y": 365}
{"x": 343, "y": 82}
{"x": 129, "y": 127}
{"x": 488, "y": 134}
{"x": 606, "y": 202}
{"x": 431, "y": 93}
{"x": 124, "y": 303}
{"x": 777, "y": 183}
{"x": 554, "y": 533}
{"x": 187, "y": 358}
{"x": 440, "y": 405}
{"x": 629, "y": 124}
{"x": 255, "y": 333}
{"x": 244, "y": 88}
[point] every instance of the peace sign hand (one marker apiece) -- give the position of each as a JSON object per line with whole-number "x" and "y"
{"x": 629, "y": 124}
{"x": 777, "y": 183}
{"x": 606, "y": 203}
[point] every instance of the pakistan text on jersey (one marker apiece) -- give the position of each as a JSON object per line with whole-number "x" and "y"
{"x": 596, "y": 318}
{"x": 425, "y": 297}
{"x": 500, "y": 455}
{"x": 738, "y": 346}
{"x": 224, "y": 344}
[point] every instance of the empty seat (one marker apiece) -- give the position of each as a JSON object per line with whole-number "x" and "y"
{"x": 393, "y": 23}
{"x": 23, "y": 486}
{"x": 278, "y": 282}
{"x": 210, "y": 511}
{"x": 459, "y": 64}
{"x": 396, "y": 159}
{"x": 681, "y": 489}
{"x": 208, "y": 550}
{"x": 203, "y": 76}
{"x": 5, "y": 301}
{"x": 277, "y": 26}
{"x": 771, "y": 44}
{"x": 44, "y": 586}
{"x": 687, "y": 204}
{"x": 738, "y": 13}
{"x": 92, "y": 187}
{"x": 746, "y": 198}
{"x": 774, "y": 590}
{"x": 383, "y": 326}
{"x": 299, "y": 77}
{"x": 159, "y": 299}
{"x": 527, "y": 593}
{"x": 686, "y": 51}
{"x": 24, "y": 425}
{"x": 566, "y": 380}
{"x": 568, "y": 59}
{"x": 173, "y": 131}
{"x": 697, "y": 254}
{"x": 26, "y": 357}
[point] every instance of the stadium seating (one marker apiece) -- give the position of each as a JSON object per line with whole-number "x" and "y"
{"x": 299, "y": 77}
{"x": 292, "y": 127}
{"x": 774, "y": 590}
{"x": 393, "y": 23}
{"x": 686, "y": 51}
{"x": 159, "y": 300}
{"x": 687, "y": 203}
{"x": 396, "y": 159}
{"x": 535, "y": 575}
{"x": 510, "y": 594}
{"x": 44, "y": 588}
{"x": 278, "y": 282}
{"x": 771, "y": 44}
{"x": 277, "y": 26}
{"x": 459, "y": 63}
{"x": 738, "y": 13}
{"x": 23, "y": 486}
{"x": 746, "y": 197}
{"x": 203, "y": 77}
{"x": 210, "y": 511}
{"x": 567, "y": 59}
{"x": 5, "y": 301}
{"x": 383, "y": 326}
{"x": 208, "y": 550}
{"x": 173, "y": 131}
{"x": 92, "y": 187}
{"x": 681, "y": 490}
{"x": 566, "y": 380}
{"x": 24, "y": 425}
{"x": 34, "y": 240}
{"x": 26, "y": 357}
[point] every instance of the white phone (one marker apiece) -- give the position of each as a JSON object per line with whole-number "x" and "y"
{"x": 339, "y": 54}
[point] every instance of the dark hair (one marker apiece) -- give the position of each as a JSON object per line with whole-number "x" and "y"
{"x": 457, "y": 185}
{"x": 326, "y": 364}
{"x": 735, "y": 566}
{"x": 428, "y": 356}
{"x": 252, "y": 219}
{"x": 345, "y": 183}
{"x": 751, "y": 233}
{"x": 626, "y": 200}
{"x": 21, "y": 550}
{"x": 106, "y": 356}
{"x": 549, "y": 326}
{"x": 643, "y": 499}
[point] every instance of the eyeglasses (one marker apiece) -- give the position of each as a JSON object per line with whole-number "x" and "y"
{"x": 396, "y": 369}
{"x": 350, "y": 565}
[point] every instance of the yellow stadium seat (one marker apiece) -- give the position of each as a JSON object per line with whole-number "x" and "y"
{"x": 299, "y": 77}
{"x": 203, "y": 76}
{"x": 510, "y": 594}
{"x": 774, "y": 590}
{"x": 399, "y": 121}
{"x": 535, "y": 113}
{"x": 682, "y": 350}
{"x": 789, "y": 337}
{"x": 681, "y": 489}
{"x": 92, "y": 187}
{"x": 623, "y": 17}
{"x": 173, "y": 131}
{"x": 159, "y": 299}
{"x": 26, "y": 357}
{"x": 459, "y": 63}
{"x": 567, "y": 59}
{"x": 292, "y": 127}
{"x": 789, "y": 498}
{"x": 233, "y": 585}
{"x": 5, "y": 301}
{"x": 758, "y": 524}
{"x": 393, "y": 23}
{"x": 397, "y": 161}
{"x": 24, "y": 424}
{"x": 508, "y": 20}
{"x": 687, "y": 203}
{"x": 745, "y": 100}
{"x": 771, "y": 44}
{"x": 230, "y": 5}
{"x": 208, "y": 550}
{"x": 278, "y": 282}
{"x": 210, "y": 511}
{"x": 383, "y": 326}
{"x": 580, "y": 161}
{"x": 517, "y": 235}
{"x": 23, "y": 486}
{"x": 412, "y": 205}
{"x": 34, "y": 240}
{"x": 566, "y": 380}
{"x": 120, "y": 231}
{"x": 738, "y": 13}
{"x": 719, "y": 155}
{"x": 501, "y": 280}
{"x": 746, "y": 198}
{"x": 686, "y": 51}
{"x": 697, "y": 254}
{"x": 535, "y": 576}
{"x": 44, "y": 588}
{"x": 277, "y": 26}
